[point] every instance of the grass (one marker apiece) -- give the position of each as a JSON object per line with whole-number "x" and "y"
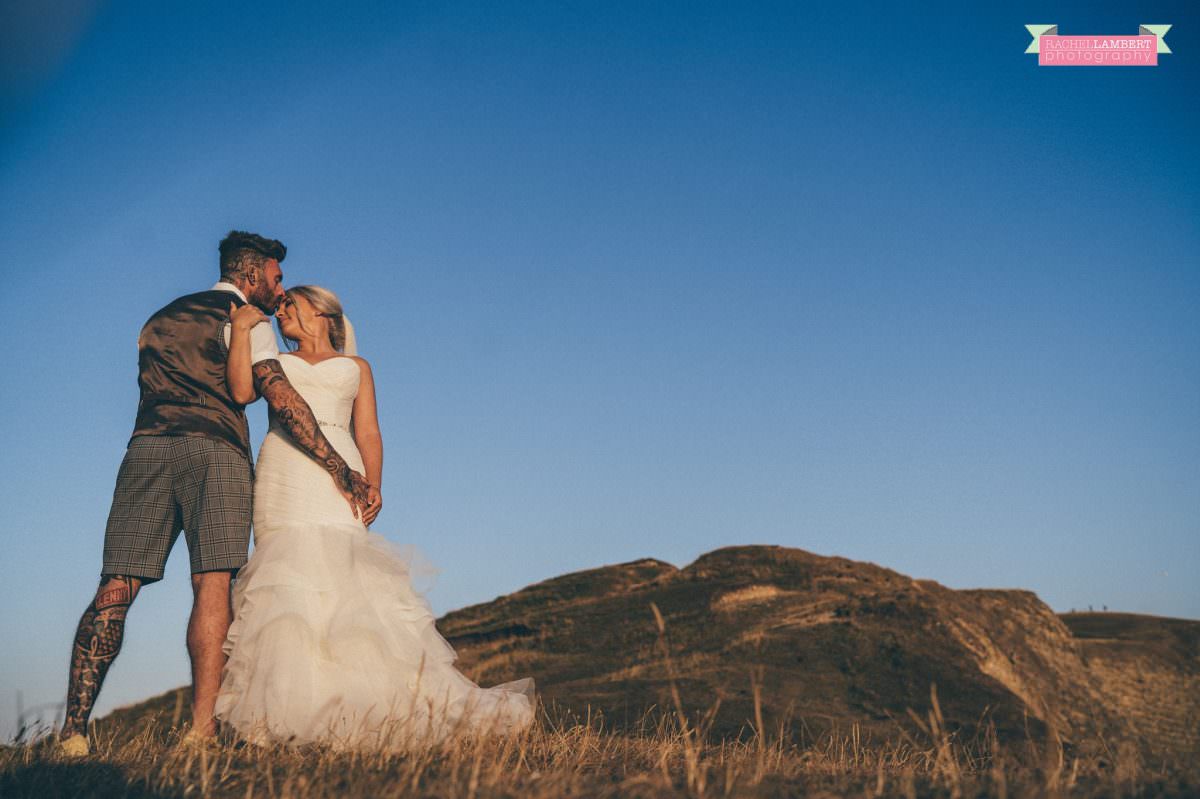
{"x": 669, "y": 754}
{"x": 580, "y": 758}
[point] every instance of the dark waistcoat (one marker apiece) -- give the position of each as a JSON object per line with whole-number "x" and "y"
{"x": 181, "y": 372}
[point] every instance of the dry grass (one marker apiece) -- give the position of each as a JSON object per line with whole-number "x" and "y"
{"x": 670, "y": 754}
{"x": 579, "y": 759}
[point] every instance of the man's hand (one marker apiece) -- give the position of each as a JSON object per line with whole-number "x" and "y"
{"x": 245, "y": 317}
{"x": 355, "y": 488}
{"x": 293, "y": 415}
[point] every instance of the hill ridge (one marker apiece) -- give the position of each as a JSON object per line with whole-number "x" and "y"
{"x": 831, "y": 642}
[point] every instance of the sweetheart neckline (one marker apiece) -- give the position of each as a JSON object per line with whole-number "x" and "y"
{"x": 318, "y": 363}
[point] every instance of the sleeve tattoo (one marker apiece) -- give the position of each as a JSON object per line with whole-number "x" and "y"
{"x": 294, "y": 415}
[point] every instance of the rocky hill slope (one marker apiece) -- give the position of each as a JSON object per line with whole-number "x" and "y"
{"x": 831, "y": 643}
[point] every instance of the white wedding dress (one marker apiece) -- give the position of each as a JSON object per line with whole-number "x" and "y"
{"x": 330, "y": 642}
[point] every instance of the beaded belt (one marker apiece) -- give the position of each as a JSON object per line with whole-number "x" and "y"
{"x": 333, "y": 424}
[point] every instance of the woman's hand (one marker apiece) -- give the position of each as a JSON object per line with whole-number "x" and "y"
{"x": 374, "y": 505}
{"x": 237, "y": 367}
{"x": 244, "y": 318}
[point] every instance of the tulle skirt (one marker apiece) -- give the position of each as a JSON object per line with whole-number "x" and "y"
{"x": 331, "y": 642}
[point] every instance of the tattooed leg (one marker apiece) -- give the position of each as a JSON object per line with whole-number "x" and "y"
{"x": 294, "y": 415}
{"x": 97, "y": 642}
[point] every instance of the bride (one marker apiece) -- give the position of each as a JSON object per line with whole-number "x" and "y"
{"x": 330, "y": 642}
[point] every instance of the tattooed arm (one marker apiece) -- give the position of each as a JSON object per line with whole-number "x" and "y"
{"x": 294, "y": 416}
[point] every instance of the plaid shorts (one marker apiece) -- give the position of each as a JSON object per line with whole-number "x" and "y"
{"x": 170, "y": 483}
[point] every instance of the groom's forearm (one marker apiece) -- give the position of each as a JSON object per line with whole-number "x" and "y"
{"x": 298, "y": 420}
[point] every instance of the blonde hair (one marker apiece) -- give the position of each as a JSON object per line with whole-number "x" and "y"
{"x": 326, "y": 303}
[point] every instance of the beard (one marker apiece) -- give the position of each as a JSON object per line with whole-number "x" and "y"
{"x": 264, "y": 299}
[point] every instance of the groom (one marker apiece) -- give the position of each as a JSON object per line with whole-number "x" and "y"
{"x": 188, "y": 468}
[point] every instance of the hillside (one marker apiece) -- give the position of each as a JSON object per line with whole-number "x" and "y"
{"x": 836, "y": 642}
{"x": 1148, "y": 669}
{"x": 832, "y": 643}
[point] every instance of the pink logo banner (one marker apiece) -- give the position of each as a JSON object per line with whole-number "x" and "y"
{"x": 1097, "y": 51}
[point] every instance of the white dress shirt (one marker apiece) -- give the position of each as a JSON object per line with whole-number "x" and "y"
{"x": 263, "y": 346}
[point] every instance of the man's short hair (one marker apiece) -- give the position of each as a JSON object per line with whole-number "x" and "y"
{"x": 243, "y": 253}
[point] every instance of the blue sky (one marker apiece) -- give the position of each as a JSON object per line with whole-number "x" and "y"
{"x": 637, "y": 280}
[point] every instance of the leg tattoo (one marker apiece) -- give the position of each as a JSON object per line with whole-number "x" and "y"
{"x": 97, "y": 642}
